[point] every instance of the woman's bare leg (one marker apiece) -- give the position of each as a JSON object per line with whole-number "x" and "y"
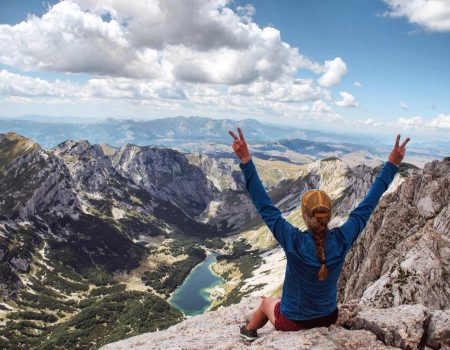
{"x": 265, "y": 312}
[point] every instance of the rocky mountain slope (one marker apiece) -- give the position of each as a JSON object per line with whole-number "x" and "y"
{"x": 403, "y": 257}
{"x": 87, "y": 228}
{"x": 401, "y": 327}
{"x": 73, "y": 219}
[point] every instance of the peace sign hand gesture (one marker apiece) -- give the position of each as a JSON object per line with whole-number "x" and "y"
{"x": 240, "y": 146}
{"x": 398, "y": 152}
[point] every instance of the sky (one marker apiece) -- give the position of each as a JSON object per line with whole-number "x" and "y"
{"x": 361, "y": 66}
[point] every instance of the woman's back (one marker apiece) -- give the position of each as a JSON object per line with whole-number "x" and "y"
{"x": 304, "y": 296}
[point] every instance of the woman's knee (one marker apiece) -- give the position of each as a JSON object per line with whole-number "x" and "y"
{"x": 268, "y": 303}
{"x": 267, "y": 306}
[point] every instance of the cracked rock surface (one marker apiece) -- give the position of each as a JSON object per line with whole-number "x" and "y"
{"x": 402, "y": 326}
{"x": 394, "y": 328}
{"x": 439, "y": 330}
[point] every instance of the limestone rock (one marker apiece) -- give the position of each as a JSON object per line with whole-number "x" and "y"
{"x": 439, "y": 330}
{"x": 402, "y": 326}
{"x": 220, "y": 330}
{"x": 403, "y": 255}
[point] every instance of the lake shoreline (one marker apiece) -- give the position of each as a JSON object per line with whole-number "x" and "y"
{"x": 193, "y": 296}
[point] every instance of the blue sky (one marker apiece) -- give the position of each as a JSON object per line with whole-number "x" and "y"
{"x": 387, "y": 64}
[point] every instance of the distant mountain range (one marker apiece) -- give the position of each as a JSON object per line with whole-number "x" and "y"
{"x": 49, "y": 132}
{"x": 210, "y": 136}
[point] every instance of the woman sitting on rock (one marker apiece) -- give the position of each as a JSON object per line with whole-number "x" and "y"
{"x": 315, "y": 256}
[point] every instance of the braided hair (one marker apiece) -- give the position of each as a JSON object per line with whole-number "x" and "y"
{"x": 319, "y": 228}
{"x": 316, "y": 212}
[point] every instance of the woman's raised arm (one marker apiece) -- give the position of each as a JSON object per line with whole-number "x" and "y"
{"x": 358, "y": 218}
{"x": 283, "y": 231}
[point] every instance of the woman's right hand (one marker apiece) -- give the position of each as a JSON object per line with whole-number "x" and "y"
{"x": 398, "y": 152}
{"x": 240, "y": 146}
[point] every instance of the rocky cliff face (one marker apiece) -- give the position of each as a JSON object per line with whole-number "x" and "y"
{"x": 198, "y": 188}
{"x": 33, "y": 181}
{"x": 403, "y": 255}
{"x": 165, "y": 174}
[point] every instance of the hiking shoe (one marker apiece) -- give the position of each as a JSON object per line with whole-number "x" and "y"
{"x": 248, "y": 335}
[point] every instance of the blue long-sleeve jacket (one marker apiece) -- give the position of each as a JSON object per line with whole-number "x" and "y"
{"x": 304, "y": 297}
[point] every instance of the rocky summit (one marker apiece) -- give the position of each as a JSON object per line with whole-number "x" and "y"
{"x": 401, "y": 327}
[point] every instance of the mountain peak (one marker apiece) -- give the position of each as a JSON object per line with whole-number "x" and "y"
{"x": 72, "y": 147}
{"x": 12, "y": 137}
{"x": 13, "y": 145}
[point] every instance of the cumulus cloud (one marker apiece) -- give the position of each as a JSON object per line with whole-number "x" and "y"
{"x": 433, "y": 15}
{"x": 300, "y": 90}
{"x": 403, "y": 106}
{"x": 370, "y": 122}
{"x": 17, "y": 85}
{"x": 320, "y": 106}
{"x": 66, "y": 39}
{"x": 410, "y": 123}
{"x": 440, "y": 122}
{"x": 198, "y": 24}
{"x": 200, "y": 41}
{"x": 358, "y": 84}
{"x": 168, "y": 54}
{"x": 333, "y": 72}
{"x": 347, "y": 100}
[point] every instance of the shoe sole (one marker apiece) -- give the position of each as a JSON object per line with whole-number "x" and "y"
{"x": 246, "y": 337}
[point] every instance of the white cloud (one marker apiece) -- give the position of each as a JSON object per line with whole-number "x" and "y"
{"x": 174, "y": 54}
{"x": 67, "y": 39}
{"x": 300, "y": 90}
{"x": 320, "y": 106}
{"x": 201, "y": 41}
{"x": 358, "y": 84}
{"x": 267, "y": 59}
{"x": 12, "y": 84}
{"x": 370, "y": 122}
{"x": 433, "y": 15}
{"x": 403, "y": 105}
{"x": 334, "y": 71}
{"x": 38, "y": 101}
{"x": 410, "y": 123}
{"x": 440, "y": 122}
{"x": 262, "y": 97}
{"x": 347, "y": 100}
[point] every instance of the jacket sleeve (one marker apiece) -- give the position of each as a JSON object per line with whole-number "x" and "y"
{"x": 358, "y": 218}
{"x": 282, "y": 230}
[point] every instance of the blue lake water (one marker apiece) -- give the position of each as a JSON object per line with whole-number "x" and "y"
{"x": 192, "y": 297}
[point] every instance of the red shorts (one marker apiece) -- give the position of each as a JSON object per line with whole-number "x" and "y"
{"x": 284, "y": 324}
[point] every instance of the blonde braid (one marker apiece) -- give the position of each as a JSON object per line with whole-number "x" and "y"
{"x": 319, "y": 228}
